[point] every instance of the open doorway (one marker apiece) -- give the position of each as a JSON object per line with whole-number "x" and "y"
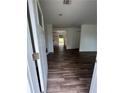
{"x": 59, "y": 40}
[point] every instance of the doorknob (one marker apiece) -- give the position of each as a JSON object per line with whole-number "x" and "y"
{"x": 35, "y": 56}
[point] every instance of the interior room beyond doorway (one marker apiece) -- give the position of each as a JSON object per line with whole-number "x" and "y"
{"x": 59, "y": 39}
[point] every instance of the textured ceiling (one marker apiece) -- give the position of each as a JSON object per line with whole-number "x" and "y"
{"x": 77, "y": 13}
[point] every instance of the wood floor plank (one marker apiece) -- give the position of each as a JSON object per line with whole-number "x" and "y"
{"x": 70, "y": 71}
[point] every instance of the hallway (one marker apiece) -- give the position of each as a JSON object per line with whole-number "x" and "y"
{"x": 70, "y": 71}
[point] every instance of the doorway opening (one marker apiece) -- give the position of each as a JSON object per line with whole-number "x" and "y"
{"x": 61, "y": 40}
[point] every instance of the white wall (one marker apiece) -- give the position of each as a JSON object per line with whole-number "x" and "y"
{"x": 55, "y": 38}
{"x": 88, "y": 39}
{"x": 93, "y": 87}
{"x": 72, "y": 37}
{"x": 49, "y": 38}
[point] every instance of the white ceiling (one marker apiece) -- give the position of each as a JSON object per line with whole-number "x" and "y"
{"x": 77, "y": 13}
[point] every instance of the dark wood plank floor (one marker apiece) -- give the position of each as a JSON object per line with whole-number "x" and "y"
{"x": 70, "y": 71}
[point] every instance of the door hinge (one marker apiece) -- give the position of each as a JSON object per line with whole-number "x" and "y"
{"x": 35, "y": 56}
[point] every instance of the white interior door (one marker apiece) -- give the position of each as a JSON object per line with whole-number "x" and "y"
{"x": 32, "y": 78}
{"x": 38, "y": 43}
{"x": 42, "y": 44}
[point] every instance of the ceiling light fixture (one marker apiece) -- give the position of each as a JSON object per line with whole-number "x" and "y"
{"x": 67, "y": 1}
{"x": 60, "y": 14}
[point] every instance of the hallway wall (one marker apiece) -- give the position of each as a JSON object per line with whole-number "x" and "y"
{"x": 73, "y": 38}
{"x": 49, "y": 38}
{"x": 88, "y": 40}
{"x": 55, "y": 38}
